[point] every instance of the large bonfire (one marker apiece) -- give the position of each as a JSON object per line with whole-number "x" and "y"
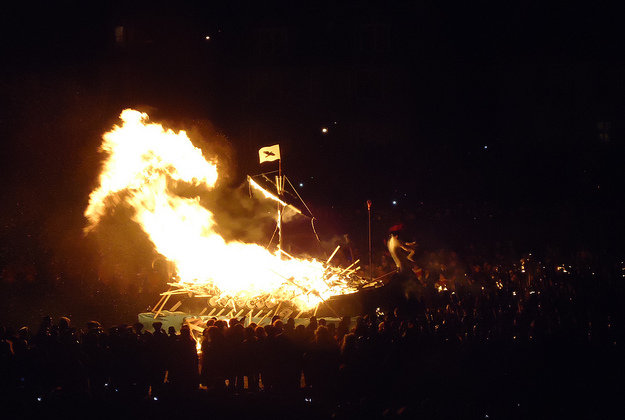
{"x": 143, "y": 165}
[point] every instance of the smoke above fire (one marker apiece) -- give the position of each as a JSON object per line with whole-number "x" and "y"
{"x": 167, "y": 186}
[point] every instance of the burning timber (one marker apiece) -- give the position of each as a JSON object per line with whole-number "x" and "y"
{"x": 195, "y": 309}
{"x": 199, "y": 303}
{"x": 143, "y": 164}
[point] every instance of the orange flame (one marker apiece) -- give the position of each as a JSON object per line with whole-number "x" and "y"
{"x": 144, "y": 161}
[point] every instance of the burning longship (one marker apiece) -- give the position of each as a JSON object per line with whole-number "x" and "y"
{"x": 144, "y": 165}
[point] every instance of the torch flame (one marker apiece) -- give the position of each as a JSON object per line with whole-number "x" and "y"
{"x": 143, "y": 164}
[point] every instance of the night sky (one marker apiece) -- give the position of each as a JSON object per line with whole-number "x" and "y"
{"x": 484, "y": 122}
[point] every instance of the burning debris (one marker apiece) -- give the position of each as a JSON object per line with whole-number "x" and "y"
{"x": 145, "y": 164}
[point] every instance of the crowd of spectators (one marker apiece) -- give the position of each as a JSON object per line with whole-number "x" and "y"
{"x": 525, "y": 340}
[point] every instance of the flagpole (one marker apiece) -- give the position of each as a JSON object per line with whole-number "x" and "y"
{"x": 370, "y": 254}
{"x": 279, "y": 188}
{"x": 269, "y": 154}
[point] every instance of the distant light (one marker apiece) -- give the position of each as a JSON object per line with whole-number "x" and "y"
{"x": 207, "y": 37}
{"x": 38, "y": 398}
{"x": 301, "y": 184}
{"x": 394, "y": 202}
{"x": 324, "y": 130}
{"x": 485, "y": 147}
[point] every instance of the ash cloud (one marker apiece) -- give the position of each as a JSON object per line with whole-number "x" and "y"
{"x": 238, "y": 217}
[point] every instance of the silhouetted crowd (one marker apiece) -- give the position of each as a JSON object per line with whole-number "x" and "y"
{"x": 526, "y": 341}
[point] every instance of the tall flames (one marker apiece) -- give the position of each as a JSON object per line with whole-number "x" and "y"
{"x": 143, "y": 165}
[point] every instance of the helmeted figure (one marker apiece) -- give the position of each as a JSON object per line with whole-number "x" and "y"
{"x": 402, "y": 252}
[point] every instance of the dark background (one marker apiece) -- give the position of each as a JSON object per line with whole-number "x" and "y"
{"x": 493, "y": 126}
